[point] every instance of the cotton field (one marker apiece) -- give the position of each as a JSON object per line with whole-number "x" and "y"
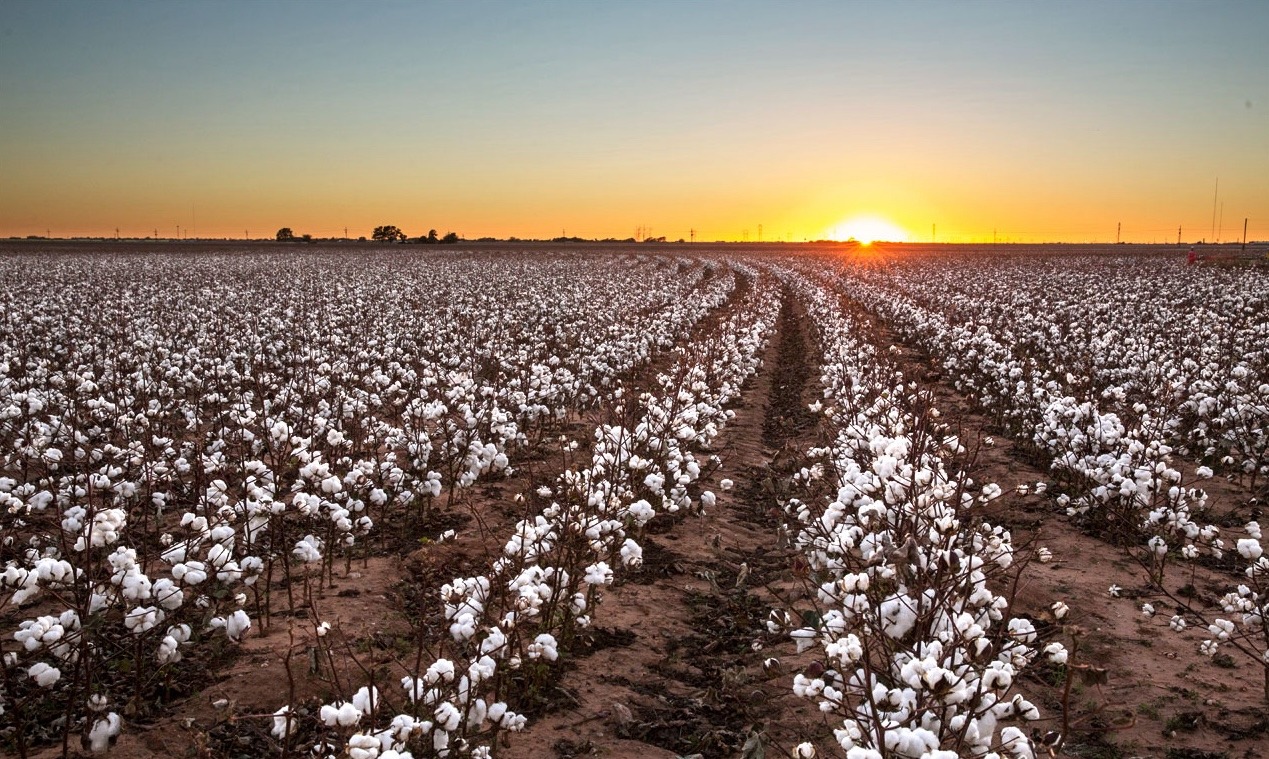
{"x": 411, "y": 494}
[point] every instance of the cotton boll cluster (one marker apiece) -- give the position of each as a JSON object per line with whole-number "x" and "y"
{"x": 921, "y": 655}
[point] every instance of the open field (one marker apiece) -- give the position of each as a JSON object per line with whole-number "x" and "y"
{"x": 632, "y": 500}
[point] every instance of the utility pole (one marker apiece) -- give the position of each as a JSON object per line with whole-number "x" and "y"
{"x": 345, "y": 233}
{"x": 1244, "y": 234}
{"x": 1118, "y": 228}
{"x": 759, "y": 233}
{"x": 1220, "y": 226}
{"x": 1215, "y": 195}
{"x": 1178, "y": 234}
{"x": 692, "y": 232}
{"x": 993, "y": 236}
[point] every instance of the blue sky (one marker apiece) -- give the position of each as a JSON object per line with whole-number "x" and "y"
{"x": 1053, "y": 120}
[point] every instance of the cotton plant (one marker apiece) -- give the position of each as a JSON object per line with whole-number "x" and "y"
{"x": 1236, "y": 624}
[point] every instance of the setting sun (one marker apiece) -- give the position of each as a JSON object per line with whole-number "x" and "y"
{"x": 868, "y": 229}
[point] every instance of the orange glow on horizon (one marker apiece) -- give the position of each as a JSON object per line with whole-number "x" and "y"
{"x": 868, "y": 229}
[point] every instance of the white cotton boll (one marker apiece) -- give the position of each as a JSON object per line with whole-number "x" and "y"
{"x": 1014, "y": 741}
{"x": 1177, "y": 623}
{"x": 308, "y": 550}
{"x": 442, "y": 670}
{"x": 599, "y": 574}
{"x": 1223, "y": 629}
{"x": 1209, "y": 648}
{"x": 103, "y": 730}
{"x": 190, "y": 572}
{"x": 804, "y": 751}
{"x": 329, "y": 715}
{"x": 631, "y": 554}
{"x": 708, "y": 499}
{"x": 496, "y": 711}
{"x": 1204, "y": 472}
{"x": 544, "y": 647}
{"x": 362, "y": 746}
{"x": 725, "y": 485}
{"x": 642, "y": 511}
{"x": 463, "y": 628}
{"x": 804, "y": 638}
{"x": 143, "y": 619}
{"x": 44, "y": 675}
{"x": 1056, "y": 653}
{"x": 169, "y": 596}
{"x": 168, "y": 651}
{"x": 1253, "y": 529}
{"x": 340, "y": 714}
{"x": 366, "y": 699}
{"x": 283, "y": 723}
{"x": 447, "y": 717}
{"x": 1044, "y": 555}
{"x": 237, "y": 624}
{"x": 1022, "y": 630}
{"x": 1249, "y": 548}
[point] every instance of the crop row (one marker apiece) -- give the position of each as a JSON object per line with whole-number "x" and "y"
{"x": 918, "y": 654}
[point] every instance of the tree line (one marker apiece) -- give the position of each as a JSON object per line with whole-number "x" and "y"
{"x": 384, "y": 233}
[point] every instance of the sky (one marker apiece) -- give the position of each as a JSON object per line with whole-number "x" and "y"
{"x": 955, "y": 121}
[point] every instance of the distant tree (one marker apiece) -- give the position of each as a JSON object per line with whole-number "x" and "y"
{"x": 388, "y": 233}
{"x": 285, "y": 234}
{"x": 450, "y": 238}
{"x": 431, "y": 236}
